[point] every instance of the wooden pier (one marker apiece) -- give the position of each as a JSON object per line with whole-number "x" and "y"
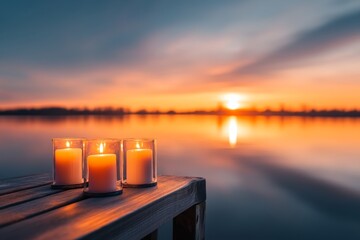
{"x": 30, "y": 209}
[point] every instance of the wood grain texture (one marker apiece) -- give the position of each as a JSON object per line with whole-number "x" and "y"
{"x": 39, "y": 206}
{"x": 19, "y": 197}
{"x": 200, "y": 221}
{"x": 190, "y": 224}
{"x": 11, "y": 185}
{"x": 133, "y": 215}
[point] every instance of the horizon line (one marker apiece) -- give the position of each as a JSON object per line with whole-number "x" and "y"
{"x": 63, "y": 111}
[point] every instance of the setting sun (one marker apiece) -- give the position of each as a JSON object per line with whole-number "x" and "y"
{"x": 233, "y": 101}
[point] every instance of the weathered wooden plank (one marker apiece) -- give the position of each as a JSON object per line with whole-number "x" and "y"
{"x": 200, "y": 221}
{"x": 190, "y": 224}
{"x": 133, "y": 215}
{"x": 19, "y": 197}
{"x": 11, "y": 185}
{"x": 38, "y": 206}
{"x": 151, "y": 236}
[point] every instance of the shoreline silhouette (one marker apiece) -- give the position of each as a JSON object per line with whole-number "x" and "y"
{"x": 62, "y": 111}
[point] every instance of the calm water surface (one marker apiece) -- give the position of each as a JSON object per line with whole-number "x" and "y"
{"x": 267, "y": 178}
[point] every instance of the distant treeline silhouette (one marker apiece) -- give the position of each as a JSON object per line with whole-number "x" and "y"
{"x": 61, "y": 111}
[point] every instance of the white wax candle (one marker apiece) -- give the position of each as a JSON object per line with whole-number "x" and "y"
{"x": 139, "y": 166}
{"x": 68, "y": 166}
{"x": 102, "y": 173}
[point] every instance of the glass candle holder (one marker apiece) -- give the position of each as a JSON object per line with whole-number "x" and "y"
{"x": 140, "y": 163}
{"x": 67, "y": 163}
{"x": 102, "y": 167}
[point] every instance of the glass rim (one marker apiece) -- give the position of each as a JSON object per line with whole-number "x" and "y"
{"x": 139, "y": 139}
{"x": 70, "y": 138}
{"x": 103, "y": 139}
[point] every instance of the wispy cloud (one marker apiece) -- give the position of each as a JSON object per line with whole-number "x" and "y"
{"x": 334, "y": 34}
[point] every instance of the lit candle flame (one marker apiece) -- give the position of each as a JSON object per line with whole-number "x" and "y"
{"x": 101, "y": 148}
{"x": 67, "y": 144}
{"x": 137, "y": 145}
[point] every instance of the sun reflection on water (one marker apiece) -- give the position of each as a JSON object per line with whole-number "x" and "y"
{"x": 232, "y": 131}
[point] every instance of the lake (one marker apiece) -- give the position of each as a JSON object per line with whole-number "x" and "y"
{"x": 267, "y": 177}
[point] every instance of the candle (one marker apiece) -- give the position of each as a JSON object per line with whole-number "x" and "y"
{"x": 139, "y": 166}
{"x": 68, "y": 166}
{"x": 102, "y": 172}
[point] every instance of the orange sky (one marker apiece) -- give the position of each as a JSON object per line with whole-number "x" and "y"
{"x": 185, "y": 58}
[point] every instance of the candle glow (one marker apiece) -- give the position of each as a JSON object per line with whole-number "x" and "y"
{"x": 139, "y": 164}
{"x": 68, "y": 165}
{"x": 101, "y": 148}
{"x": 102, "y": 171}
